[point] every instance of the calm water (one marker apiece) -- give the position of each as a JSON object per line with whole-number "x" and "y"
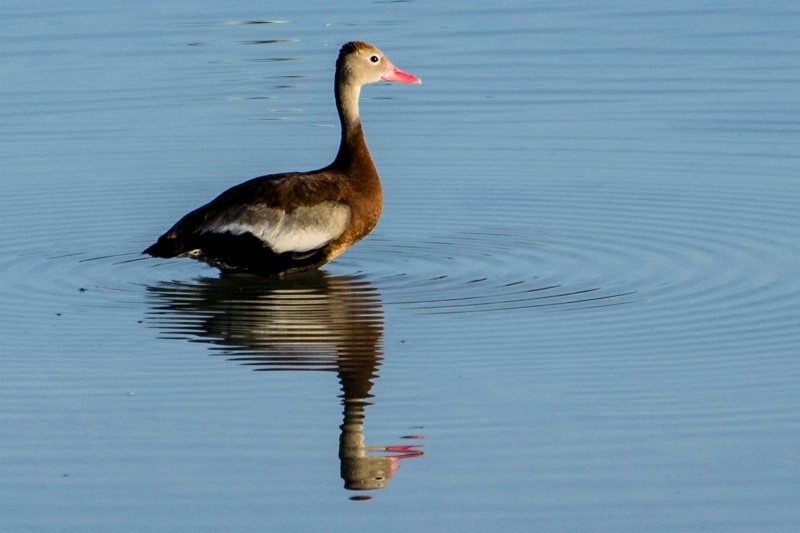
{"x": 580, "y": 311}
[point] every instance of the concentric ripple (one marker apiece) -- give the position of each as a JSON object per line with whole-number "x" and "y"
{"x": 567, "y": 248}
{"x": 687, "y": 250}
{"x": 480, "y": 272}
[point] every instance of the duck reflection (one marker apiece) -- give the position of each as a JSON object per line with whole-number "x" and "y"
{"x": 308, "y": 322}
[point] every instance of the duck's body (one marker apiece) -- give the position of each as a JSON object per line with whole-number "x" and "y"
{"x": 283, "y": 223}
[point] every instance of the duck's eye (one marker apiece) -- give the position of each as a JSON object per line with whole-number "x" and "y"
{"x": 374, "y": 58}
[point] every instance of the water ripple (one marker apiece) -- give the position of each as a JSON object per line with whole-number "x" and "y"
{"x": 718, "y": 252}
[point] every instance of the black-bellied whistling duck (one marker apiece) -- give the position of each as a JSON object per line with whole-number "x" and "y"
{"x": 284, "y": 223}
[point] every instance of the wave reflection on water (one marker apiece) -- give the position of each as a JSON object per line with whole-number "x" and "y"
{"x": 309, "y": 322}
{"x": 584, "y": 284}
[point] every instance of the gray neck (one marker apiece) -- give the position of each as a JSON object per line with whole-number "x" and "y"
{"x": 352, "y": 147}
{"x": 347, "y": 104}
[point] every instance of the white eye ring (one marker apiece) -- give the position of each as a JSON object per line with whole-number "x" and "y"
{"x": 374, "y": 58}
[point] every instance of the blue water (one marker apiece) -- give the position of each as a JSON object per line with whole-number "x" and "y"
{"x": 578, "y": 313}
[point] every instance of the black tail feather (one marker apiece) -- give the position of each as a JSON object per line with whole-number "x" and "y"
{"x": 165, "y": 247}
{"x": 243, "y": 253}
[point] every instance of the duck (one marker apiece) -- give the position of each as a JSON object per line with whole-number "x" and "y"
{"x": 278, "y": 224}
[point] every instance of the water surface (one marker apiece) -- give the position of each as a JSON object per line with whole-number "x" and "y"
{"x": 579, "y": 311}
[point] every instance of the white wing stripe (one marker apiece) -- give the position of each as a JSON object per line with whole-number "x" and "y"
{"x": 301, "y": 230}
